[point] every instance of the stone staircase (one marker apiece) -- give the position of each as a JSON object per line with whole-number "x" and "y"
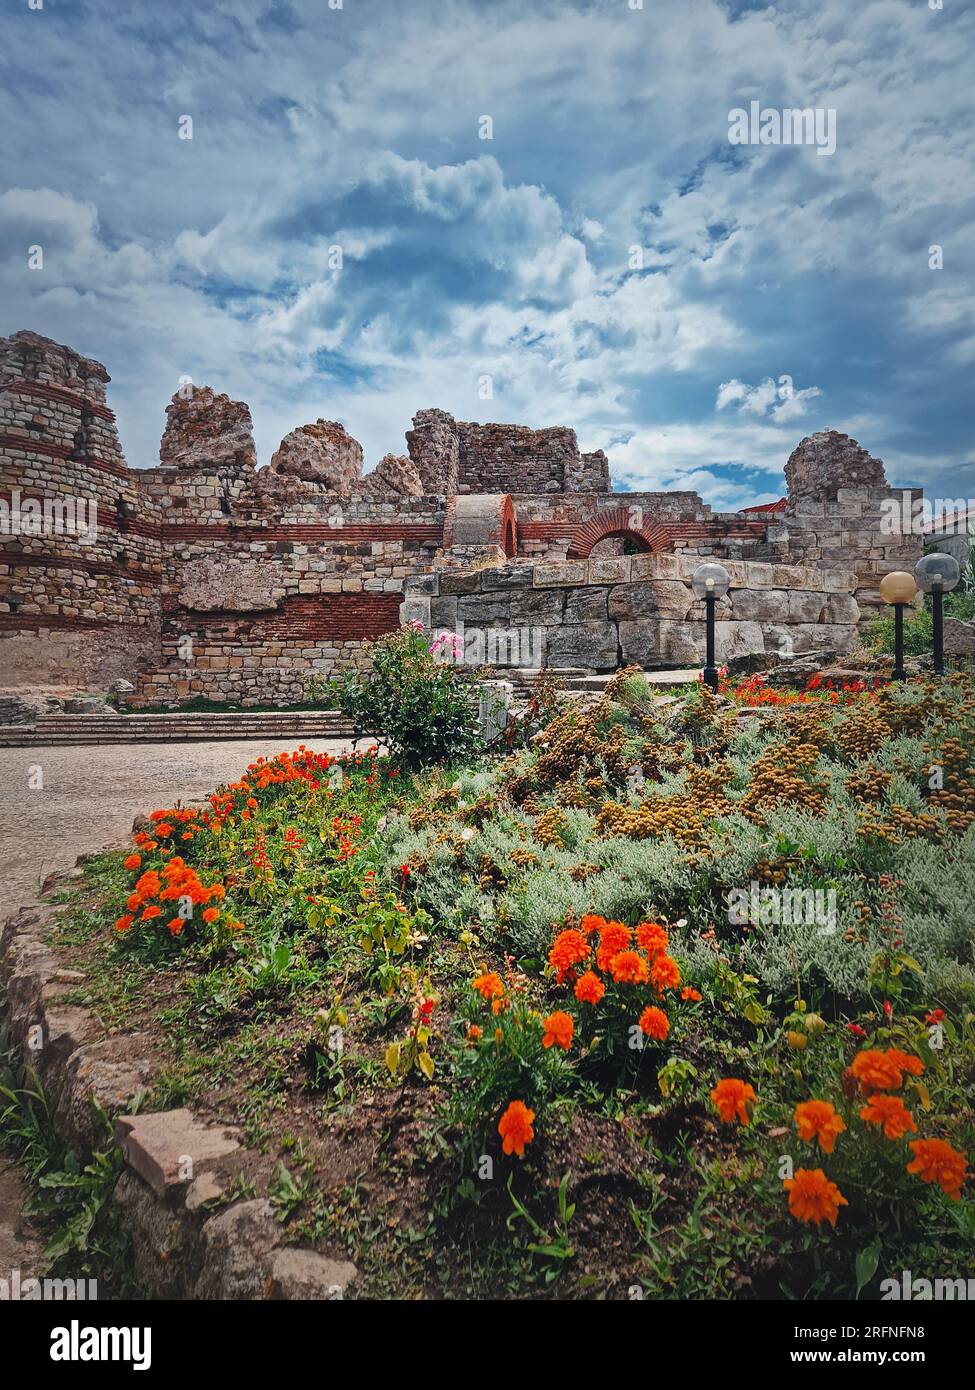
{"x": 287, "y": 727}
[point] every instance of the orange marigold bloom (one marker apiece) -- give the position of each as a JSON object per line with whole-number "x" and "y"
{"x": 883, "y": 1071}
{"x": 474, "y": 1033}
{"x": 655, "y": 1023}
{"x": 875, "y": 1071}
{"x": 133, "y": 902}
{"x": 211, "y": 914}
{"x": 652, "y": 938}
{"x": 732, "y": 1098}
{"x": 591, "y": 923}
{"x": 812, "y": 1197}
{"x": 664, "y": 973}
{"x": 515, "y": 1128}
{"x": 133, "y": 861}
{"x": 488, "y": 985}
{"x": 589, "y": 988}
{"x": 817, "y": 1119}
{"x": 613, "y": 938}
{"x": 905, "y": 1061}
{"x": 558, "y": 1029}
{"x": 629, "y": 968}
{"x": 936, "y": 1161}
{"x": 163, "y": 830}
{"x": 175, "y": 925}
{"x": 152, "y": 911}
{"x": 890, "y": 1114}
{"x": 689, "y": 993}
{"x": 124, "y": 923}
{"x": 568, "y": 949}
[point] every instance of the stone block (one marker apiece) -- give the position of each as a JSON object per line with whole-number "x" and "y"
{"x": 586, "y": 604}
{"x": 306, "y": 1275}
{"x": 559, "y": 573}
{"x": 590, "y": 645}
{"x": 759, "y": 605}
{"x": 167, "y": 1148}
{"x": 459, "y": 582}
{"x": 507, "y": 577}
{"x": 610, "y": 571}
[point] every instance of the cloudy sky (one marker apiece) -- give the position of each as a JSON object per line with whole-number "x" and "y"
{"x": 607, "y": 260}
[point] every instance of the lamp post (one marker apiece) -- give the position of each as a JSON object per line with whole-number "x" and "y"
{"x": 899, "y": 589}
{"x": 710, "y": 582}
{"x": 937, "y": 575}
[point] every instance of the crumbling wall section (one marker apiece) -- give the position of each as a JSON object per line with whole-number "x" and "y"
{"x": 79, "y": 557}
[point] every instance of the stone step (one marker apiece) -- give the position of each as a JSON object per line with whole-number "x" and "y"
{"x": 53, "y": 730}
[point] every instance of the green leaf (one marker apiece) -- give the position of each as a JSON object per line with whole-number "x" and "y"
{"x": 866, "y": 1265}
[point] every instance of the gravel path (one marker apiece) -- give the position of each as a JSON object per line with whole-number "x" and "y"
{"x": 91, "y": 795}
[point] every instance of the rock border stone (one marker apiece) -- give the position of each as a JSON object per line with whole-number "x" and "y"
{"x": 177, "y": 1164}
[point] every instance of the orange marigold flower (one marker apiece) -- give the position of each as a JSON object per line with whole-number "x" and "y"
{"x": 629, "y": 968}
{"x": 890, "y": 1114}
{"x": 812, "y": 1197}
{"x": 591, "y": 923}
{"x": 817, "y": 1119}
{"x": 613, "y": 938}
{"x": 689, "y": 993}
{"x": 498, "y": 1006}
{"x": 664, "y": 973}
{"x": 732, "y": 1098}
{"x": 124, "y": 923}
{"x": 515, "y": 1128}
{"x": 936, "y": 1161}
{"x": 152, "y": 911}
{"x": 175, "y": 925}
{"x": 488, "y": 985}
{"x": 589, "y": 988}
{"x": 558, "y": 1028}
{"x": 252, "y": 803}
{"x": 883, "y": 1071}
{"x": 875, "y": 1071}
{"x": 905, "y": 1061}
{"x": 163, "y": 830}
{"x": 474, "y": 1033}
{"x": 655, "y": 1023}
{"x": 652, "y": 938}
{"x": 133, "y": 861}
{"x": 133, "y": 902}
{"x": 211, "y": 914}
{"x": 568, "y": 949}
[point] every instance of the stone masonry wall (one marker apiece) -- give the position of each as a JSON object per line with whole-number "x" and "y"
{"x": 209, "y": 576}
{"x": 79, "y": 592}
{"x": 599, "y": 614}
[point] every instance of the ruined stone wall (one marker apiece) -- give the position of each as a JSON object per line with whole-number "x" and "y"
{"x": 209, "y": 576}
{"x": 599, "y": 614}
{"x": 460, "y": 456}
{"x": 80, "y": 560}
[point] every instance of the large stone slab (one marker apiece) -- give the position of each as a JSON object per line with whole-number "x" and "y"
{"x": 654, "y": 598}
{"x": 591, "y": 645}
{"x": 167, "y": 1148}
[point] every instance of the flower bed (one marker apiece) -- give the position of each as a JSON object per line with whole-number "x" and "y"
{"x": 544, "y": 1022}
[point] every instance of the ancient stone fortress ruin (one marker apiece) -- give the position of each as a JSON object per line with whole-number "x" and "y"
{"x": 210, "y": 576}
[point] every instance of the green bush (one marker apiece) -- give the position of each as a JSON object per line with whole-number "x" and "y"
{"x": 424, "y": 711}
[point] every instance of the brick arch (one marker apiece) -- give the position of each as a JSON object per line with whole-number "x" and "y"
{"x": 648, "y": 535}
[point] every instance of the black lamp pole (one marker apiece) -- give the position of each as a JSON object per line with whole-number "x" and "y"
{"x": 938, "y": 626}
{"x": 710, "y": 669}
{"x": 898, "y": 673}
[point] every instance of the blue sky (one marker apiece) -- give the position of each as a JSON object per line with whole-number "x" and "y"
{"x": 509, "y": 258}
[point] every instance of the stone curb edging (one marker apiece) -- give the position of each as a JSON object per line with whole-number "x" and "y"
{"x": 176, "y": 1163}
